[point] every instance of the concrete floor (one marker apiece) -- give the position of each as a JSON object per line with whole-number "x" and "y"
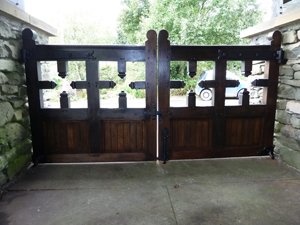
{"x": 216, "y": 192}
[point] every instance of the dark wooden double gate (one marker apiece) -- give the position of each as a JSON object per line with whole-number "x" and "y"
{"x": 128, "y": 134}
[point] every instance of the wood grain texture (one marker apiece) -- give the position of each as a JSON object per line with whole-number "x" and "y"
{"x": 66, "y": 137}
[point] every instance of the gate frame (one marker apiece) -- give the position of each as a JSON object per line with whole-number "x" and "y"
{"x": 157, "y": 55}
{"x": 272, "y": 54}
{"x": 34, "y": 53}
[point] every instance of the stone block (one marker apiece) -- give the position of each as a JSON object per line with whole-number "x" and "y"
{"x": 288, "y": 131}
{"x": 297, "y": 94}
{"x": 6, "y": 113}
{"x": 286, "y": 91}
{"x": 23, "y": 147}
{"x": 18, "y": 115}
{"x": 3, "y": 78}
{"x": 295, "y": 121}
{"x": 10, "y": 49}
{"x": 293, "y": 107}
{"x": 16, "y": 164}
{"x": 281, "y": 104}
{"x": 9, "y": 89}
{"x": 289, "y": 37}
{"x": 23, "y": 91}
{"x": 15, "y": 132}
{"x": 8, "y": 65}
{"x": 292, "y": 61}
{"x": 2, "y": 135}
{"x": 286, "y": 70}
{"x": 294, "y": 83}
{"x": 297, "y": 75}
{"x": 292, "y": 51}
{"x": 296, "y": 67}
{"x": 298, "y": 34}
{"x": 283, "y": 117}
{"x": 15, "y": 78}
{"x": 278, "y": 127}
{"x": 290, "y": 157}
{"x": 287, "y": 142}
{"x": 17, "y": 103}
{"x": 6, "y": 31}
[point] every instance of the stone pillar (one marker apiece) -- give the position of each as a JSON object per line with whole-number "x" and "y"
{"x": 287, "y": 124}
{"x": 15, "y": 137}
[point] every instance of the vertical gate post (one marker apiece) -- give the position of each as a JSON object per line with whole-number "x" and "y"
{"x": 219, "y": 101}
{"x": 151, "y": 91}
{"x": 271, "y": 73}
{"x": 33, "y": 92}
{"x": 164, "y": 56}
{"x": 92, "y": 71}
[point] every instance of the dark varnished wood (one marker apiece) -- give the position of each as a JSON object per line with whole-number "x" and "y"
{"x": 123, "y": 134}
{"x": 92, "y": 134}
{"x": 218, "y": 130}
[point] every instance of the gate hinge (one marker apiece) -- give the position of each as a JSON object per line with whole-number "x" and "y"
{"x": 280, "y": 57}
{"x": 268, "y": 151}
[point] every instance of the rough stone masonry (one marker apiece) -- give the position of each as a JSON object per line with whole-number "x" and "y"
{"x": 15, "y": 143}
{"x": 287, "y": 125}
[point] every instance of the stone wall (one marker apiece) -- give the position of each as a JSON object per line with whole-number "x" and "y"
{"x": 287, "y": 125}
{"x": 15, "y": 143}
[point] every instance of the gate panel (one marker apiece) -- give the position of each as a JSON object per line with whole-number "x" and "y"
{"x": 217, "y": 129}
{"x": 93, "y": 133}
{"x": 67, "y": 134}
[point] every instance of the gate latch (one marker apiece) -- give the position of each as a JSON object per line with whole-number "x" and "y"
{"x": 153, "y": 113}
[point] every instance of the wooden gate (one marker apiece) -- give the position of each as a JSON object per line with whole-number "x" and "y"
{"x": 218, "y": 130}
{"x": 94, "y": 133}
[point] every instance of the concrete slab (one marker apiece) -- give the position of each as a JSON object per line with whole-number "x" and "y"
{"x": 224, "y": 191}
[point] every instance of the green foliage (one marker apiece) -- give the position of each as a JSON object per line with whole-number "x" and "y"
{"x": 131, "y": 19}
{"x": 191, "y": 21}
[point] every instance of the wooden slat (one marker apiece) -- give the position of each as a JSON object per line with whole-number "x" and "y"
{"x": 65, "y": 137}
{"x": 81, "y": 52}
{"x": 214, "y": 53}
{"x": 95, "y": 157}
{"x": 164, "y": 56}
{"x": 244, "y": 132}
{"x": 193, "y": 135}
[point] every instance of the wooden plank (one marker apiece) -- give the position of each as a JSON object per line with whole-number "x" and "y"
{"x": 164, "y": 56}
{"x": 219, "y": 103}
{"x": 139, "y": 137}
{"x": 121, "y": 114}
{"x": 272, "y": 73}
{"x": 106, "y": 130}
{"x": 133, "y": 136}
{"x": 85, "y": 52}
{"x": 114, "y": 137}
{"x": 120, "y": 139}
{"x": 214, "y": 53}
{"x": 149, "y": 141}
{"x": 95, "y": 157}
{"x": 127, "y": 137}
{"x": 32, "y": 70}
{"x": 244, "y": 132}
{"x": 92, "y": 71}
{"x": 64, "y": 114}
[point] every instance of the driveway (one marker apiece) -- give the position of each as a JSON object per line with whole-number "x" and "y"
{"x": 211, "y": 192}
